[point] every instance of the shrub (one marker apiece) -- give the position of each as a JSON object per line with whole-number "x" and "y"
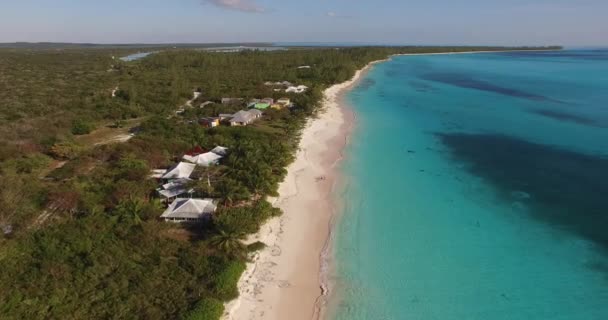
{"x": 256, "y": 246}
{"x": 207, "y": 309}
{"x": 65, "y": 150}
{"x": 224, "y": 286}
{"x": 246, "y": 219}
{"x": 80, "y": 127}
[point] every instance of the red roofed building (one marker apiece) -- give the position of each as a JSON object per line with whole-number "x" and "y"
{"x": 195, "y": 151}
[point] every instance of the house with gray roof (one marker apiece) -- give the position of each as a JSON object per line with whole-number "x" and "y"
{"x": 189, "y": 210}
{"x": 243, "y": 118}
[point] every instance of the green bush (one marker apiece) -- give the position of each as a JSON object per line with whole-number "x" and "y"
{"x": 65, "y": 150}
{"x": 224, "y": 286}
{"x": 80, "y": 127}
{"x": 256, "y": 246}
{"x": 207, "y": 309}
{"x": 246, "y": 219}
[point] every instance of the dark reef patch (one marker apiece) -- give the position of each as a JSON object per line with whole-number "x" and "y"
{"x": 463, "y": 81}
{"x": 566, "y": 189}
{"x": 562, "y": 116}
{"x": 366, "y": 84}
{"x": 421, "y": 86}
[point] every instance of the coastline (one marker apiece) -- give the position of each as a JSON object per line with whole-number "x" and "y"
{"x": 287, "y": 279}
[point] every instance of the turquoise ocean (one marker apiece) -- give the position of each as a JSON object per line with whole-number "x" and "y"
{"x": 476, "y": 187}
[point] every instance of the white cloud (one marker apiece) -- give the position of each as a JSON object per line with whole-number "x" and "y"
{"x": 239, "y": 5}
{"x": 333, "y": 14}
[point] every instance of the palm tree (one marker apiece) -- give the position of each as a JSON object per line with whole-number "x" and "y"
{"x": 229, "y": 243}
{"x": 130, "y": 211}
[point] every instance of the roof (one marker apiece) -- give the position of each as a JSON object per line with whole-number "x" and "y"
{"x": 231, "y": 100}
{"x": 245, "y": 116}
{"x": 190, "y": 208}
{"x": 175, "y": 188}
{"x": 205, "y": 159}
{"x": 157, "y": 173}
{"x": 241, "y": 116}
{"x": 180, "y": 170}
{"x": 174, "y": 192}
{"x": 222, "y": 151}
{"x": 262, "y": 105}
{"x": 195, "y": 151}
{"x": 255, "y": 112}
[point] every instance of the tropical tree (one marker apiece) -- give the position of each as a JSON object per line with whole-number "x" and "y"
{"x": 229, "y": 243}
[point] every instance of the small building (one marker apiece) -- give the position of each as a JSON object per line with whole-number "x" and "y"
{"x": 195, "y": 151}
{"x": 182, "y": 170}
{"x": 262, "y": 106}
{"x": 189, "y": 210}
{"x": 298, "y": 89}
{"x": 253, "y": 102}
{"x": 232, "y": 100}
{"x": 209, "y": 122}
{"x": 204, "y": 160}
{"x": 284, "y": 101}
{"x": 225, "y": 116}
{"x": 157, "y": 173}
{"x": 174, "y": 189}
{"x": 304, "y": 67}
{"x": 219, "y": 150}
{"x": 243, "y": 118}
{"x": 268, "y": 101}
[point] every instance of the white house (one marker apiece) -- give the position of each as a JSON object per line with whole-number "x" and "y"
{"x": 182, "y": 170}
{"x": 189, "y": 210}
{"x": 243, "y": 118}
{"x": 204, "y": 160}
{"x": 174, "y": 189}
{"x": 219, "y": 150}
{"x": 298, "y": 89}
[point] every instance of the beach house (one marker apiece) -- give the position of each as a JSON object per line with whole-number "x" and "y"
{"x": 204, "y": 160}
{"x": 209, "y": 122}
{"x": 298, "y": 89}
{"x": 189, "y": 210}
{"x": 262, "y": 106}
{"x": 232, "y": 100}
{"x": 170, "y": 191}
{"x": 267, "y": 100}
{"x": 243, "y": 118}
{"x": 284, "y": 101}
{"x": 182, "y": 170}
{"x": 222, "y": 151}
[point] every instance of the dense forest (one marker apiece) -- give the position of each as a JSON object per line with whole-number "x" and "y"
{"x": 82, "y": 237}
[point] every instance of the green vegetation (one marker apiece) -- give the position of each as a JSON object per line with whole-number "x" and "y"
{"x": 82, "y": 239}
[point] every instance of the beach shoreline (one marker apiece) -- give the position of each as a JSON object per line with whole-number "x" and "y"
{"x": 287, "y": 280}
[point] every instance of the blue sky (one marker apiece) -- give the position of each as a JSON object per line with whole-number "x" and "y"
{"x": 500, "y": 22}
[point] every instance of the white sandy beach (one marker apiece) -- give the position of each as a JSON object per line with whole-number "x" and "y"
{"x": 285, "y": 280}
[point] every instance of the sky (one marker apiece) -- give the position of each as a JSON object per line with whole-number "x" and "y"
{"x": 416, "y": 22}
